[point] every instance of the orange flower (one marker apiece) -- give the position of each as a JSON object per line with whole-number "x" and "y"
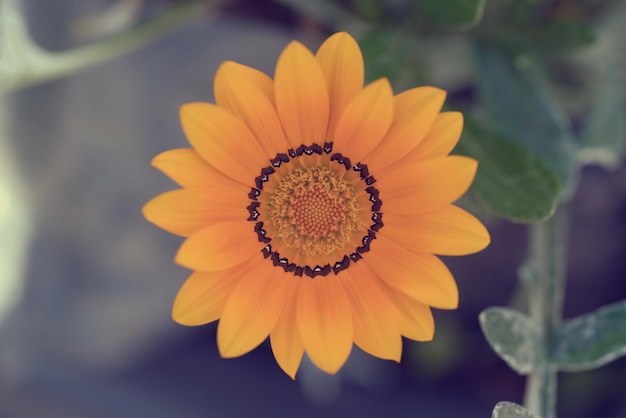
{"x": 314, "y": 208}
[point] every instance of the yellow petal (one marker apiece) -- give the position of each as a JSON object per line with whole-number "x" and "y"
{"x": 285, "y": 337}
{"x": 375, "y": 319}
{"x": 342, "y": 64}
{"x": 253, "y": 309}
{"x": 441, "y": 138}
{"x": 259, "y": 80}
{"x": 223, "y": 141}
{"x": 202, "y": 297}
{"x": 421, "y": 276}
{"x": 186, "y": 211}
{"x": 365, "y": 121}
{"x": 325, "y": 322}
{"x": 415, "y": 111}
{"x": 427, "y": 185}
{"x": 415, "y": 319}
{"x": 301, "y": 96}
{"x": 446, "y": 231}
{"x": 219, "y": 246}
{"x": 238, "y": 93}
{"x": 187, "y": 168}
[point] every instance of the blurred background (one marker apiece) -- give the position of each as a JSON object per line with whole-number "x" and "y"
{"x": 86, "y": 284}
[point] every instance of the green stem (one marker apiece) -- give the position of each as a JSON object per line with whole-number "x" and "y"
{"x": 546, "y": 292}
{"x": 42, "y": 66}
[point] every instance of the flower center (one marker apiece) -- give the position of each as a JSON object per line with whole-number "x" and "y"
{"x": 314, "y": 210}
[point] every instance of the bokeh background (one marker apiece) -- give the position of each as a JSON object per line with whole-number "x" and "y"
{"x": 86, "y": 284}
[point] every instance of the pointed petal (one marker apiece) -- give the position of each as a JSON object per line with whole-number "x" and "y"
{"x": 252, "y": 310}
{"x": 415, "y": 111}
{"x": 375, "y": 319}
{"x": 342, "y": 64}
{"x": 441, "y": 138}
{"x": 427, "y": 185}
{"x": 415, "y": 319}
{"x": 365, "y": 121}
{"x": 186, "y": 211}
{"x": 203, "y": 296}
{"x": 219, "y": 247}
{"x": 301, "y": 95}
{"x": 258, "y": 79}
{"x": 236, "y": 92}
{"x": 325, "y": 322}
{"x": 223, "y": 141}
{"x": 421, "y": 276}
{"x": 187, "y": 168}
{"x": 446, "y": 231}
{"x": 285, "y": 337}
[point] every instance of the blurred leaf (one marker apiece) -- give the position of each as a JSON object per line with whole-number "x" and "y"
{"x": 330, "y": 13}
{"x": 592, "y": 340}
{"x": 511, "y": 410}
{"x": 560, "y": 34}
{"x": 603, "y": 139}
{"x": 521, "y": 108}
{"x": 512, "y": 335}
{"x": 511, "y": 181}
{"x": 552, "y": 36}
{"x": 382, "y": 53}
{"x": 449, "y": 64}
{"x": 368, "y": 9}
{"x": 522, "y": 9}
{"x": 455, "y": 13}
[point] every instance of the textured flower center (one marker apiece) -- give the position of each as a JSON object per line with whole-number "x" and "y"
{"x": 314, "y": 210}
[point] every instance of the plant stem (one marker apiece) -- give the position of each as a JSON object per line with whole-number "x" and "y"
{"x": 546, "y": 291}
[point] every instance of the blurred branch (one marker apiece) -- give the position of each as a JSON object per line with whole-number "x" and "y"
{"x": 119, "y": 17}
{"x": 23, "y": 63}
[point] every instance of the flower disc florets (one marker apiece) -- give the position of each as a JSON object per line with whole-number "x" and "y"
{"x": 314, "y": 210}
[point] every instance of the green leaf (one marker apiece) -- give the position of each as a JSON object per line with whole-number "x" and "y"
{"x": 511, "y": 181}
{"x": 511, "y": 410}
{"x": 592, "y": 340}
{"x": 521, "y": 108}
{"x": 455, "y": 13}
{"x": 512, "y": 335}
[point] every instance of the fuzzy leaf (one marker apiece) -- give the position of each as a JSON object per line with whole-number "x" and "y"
{"x": 592, "y": 340}
{"x": 455, "y": 13}
{"x": 511, "y": 181}
{"x": 512, "y": 335}
{"x": 511, "y": 410}
{"x": 521, "y": 108}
